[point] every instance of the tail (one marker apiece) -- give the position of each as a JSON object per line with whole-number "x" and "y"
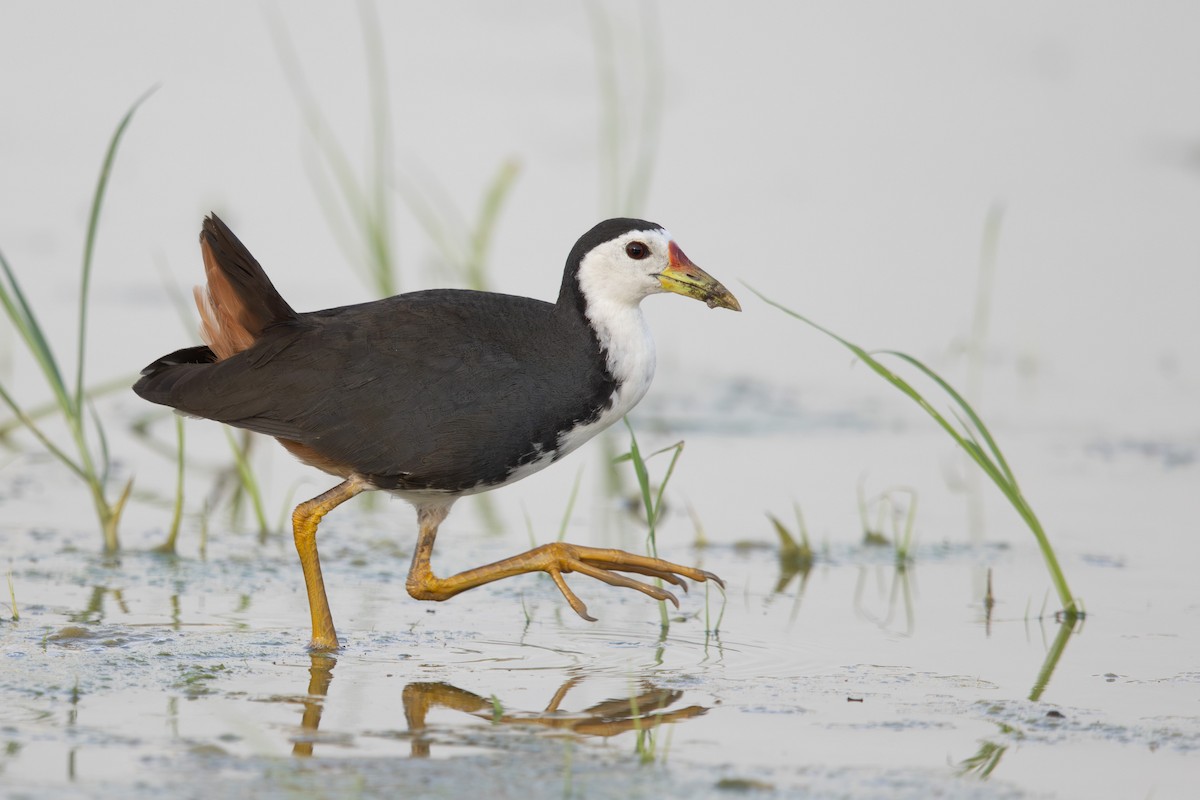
{"x": 158, "y": 381}
{"x": 239, "y": 301}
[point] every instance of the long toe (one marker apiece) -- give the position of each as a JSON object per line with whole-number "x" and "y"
{"x": 606, "y": 565}
{"x": 613, "y": 579}
{"x": 623, "y": 561}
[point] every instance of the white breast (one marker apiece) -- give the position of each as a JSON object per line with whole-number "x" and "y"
{"x": 622, "y": 332}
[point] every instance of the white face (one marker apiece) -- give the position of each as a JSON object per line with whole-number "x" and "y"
{"x": 624, "y": 270}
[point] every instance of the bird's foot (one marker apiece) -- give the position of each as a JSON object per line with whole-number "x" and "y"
{"x": 558, "y": 559}
{"x": 607, "y": 565}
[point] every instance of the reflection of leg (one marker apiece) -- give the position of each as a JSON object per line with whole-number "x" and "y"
{"x": 418, "y": 698}
{"x": 607, "y": 718}
{"x": 320, "y": 676}
{"x": 650, "y": 699}
{"x": 556, "y": 559}
{"x": 416, "y": 706}
{"x": 561, "y": 694}
{"x": 606, "y": 727}
{"x": 305, "y": 520}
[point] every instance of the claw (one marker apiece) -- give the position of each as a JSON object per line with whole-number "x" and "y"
{"x": 669, "y": 577}
{"x": 574, "y": 601}
{"x": 613, "y": 579}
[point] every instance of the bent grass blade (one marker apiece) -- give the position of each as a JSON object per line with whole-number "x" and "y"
{"x": 973, "y": 437}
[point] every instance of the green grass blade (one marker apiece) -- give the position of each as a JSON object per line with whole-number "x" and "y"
{"x": 25, "y": 320}
{"x": 70, "y": 403}
{"x": 643, "y": 478}
{"x": 481, "y": 238}
{"x": 105, "y": 458}
{"x": 89, "y": 245}
{"x": 248, "y": 482}
{"x": 41, "y": 437}
{"x": 438, "y": 218}
{"x": 1053, "y": 654}
{"x": 366, "y": 207}
{"x": 310, "y": 110}
{"x": 965, "y": 406}
{"x": 566, "y": 519}
{"x": 997, "y": 469}
{"x": 643, "y": 475}
{"x": 662, "y": 487}
{"x": 788, "y": 547}
{"x": 110, "y": 516}
{"x": 169, "y": 546}
{"x": 12, "y": 595}
{"x": 377, "y": 224}
{"x": 529, "y": 526}
{"x": 46, "y": 409}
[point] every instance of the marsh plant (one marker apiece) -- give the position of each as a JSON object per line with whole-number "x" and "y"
{"x": 247, "y": 482}
{"x": 888, "y": 506}
{"x": 795, "y": 551}
{"x": 169, "y": 545}
{"x": 12, "y": 597}
{"x": 972, "y": 435}
{"x": 89, "y": 462}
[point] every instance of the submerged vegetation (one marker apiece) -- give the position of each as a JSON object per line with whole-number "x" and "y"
{"x": 90, "y": 463}
{"x": 972, "y": 435}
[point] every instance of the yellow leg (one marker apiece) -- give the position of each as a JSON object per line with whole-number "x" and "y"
{"x": 556, "y": 559}
{"x": 305, "y": 520}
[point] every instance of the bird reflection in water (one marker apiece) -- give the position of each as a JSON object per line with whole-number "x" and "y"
{"x": 320, "y": 675}
{"x": 643, "y": 710}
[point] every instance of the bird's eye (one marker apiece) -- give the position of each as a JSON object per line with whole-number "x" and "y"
{"x": 637, "y": 250}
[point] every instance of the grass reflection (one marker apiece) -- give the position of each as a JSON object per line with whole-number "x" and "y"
{"x": 1065, "y": 628}
{"x": 899, "y": 594}
{"x": 987, "y": 758}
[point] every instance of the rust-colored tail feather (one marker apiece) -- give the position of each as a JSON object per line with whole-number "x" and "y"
{"x": 239, "y": 300}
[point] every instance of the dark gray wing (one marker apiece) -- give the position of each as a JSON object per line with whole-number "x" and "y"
{"x": 441, "y": 390}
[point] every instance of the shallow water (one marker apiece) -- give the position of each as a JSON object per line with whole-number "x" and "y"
{"x": 851, "y": 183}
{"x": 147, "y": 673}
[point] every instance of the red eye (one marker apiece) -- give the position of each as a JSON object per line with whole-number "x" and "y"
{"x": 637, "y": 250}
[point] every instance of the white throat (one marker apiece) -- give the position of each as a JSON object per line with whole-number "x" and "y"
{"x": 623, "y": 334}
{"x": 622, "y": 331}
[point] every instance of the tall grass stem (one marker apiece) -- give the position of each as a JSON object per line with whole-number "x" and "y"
{"x": 70, "y": 401}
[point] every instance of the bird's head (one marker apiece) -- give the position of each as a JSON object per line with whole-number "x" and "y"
{"x": 623, "y": 261}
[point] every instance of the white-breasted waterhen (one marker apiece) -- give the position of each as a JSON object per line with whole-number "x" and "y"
{"x": 436, "y": 394}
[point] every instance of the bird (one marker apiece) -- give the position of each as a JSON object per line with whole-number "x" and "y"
{"x": 435, "y": 394}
